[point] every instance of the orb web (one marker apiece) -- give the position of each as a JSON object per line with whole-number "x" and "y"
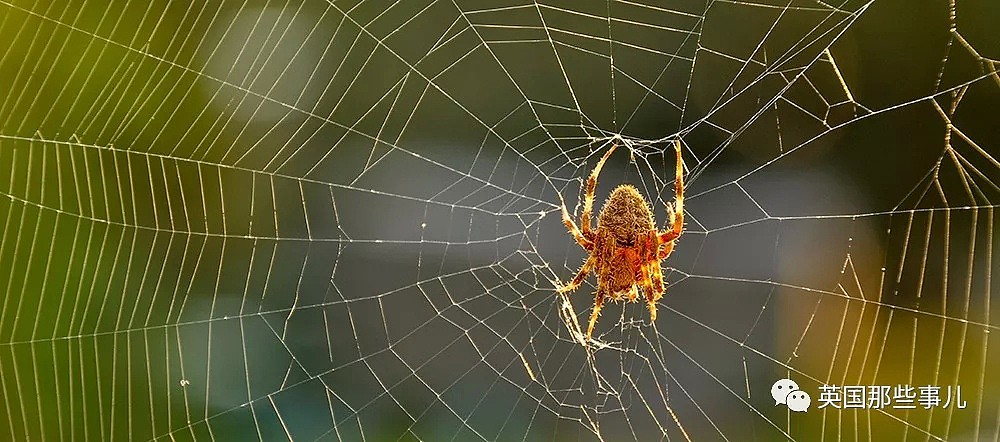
{"x": 340, "y": 220}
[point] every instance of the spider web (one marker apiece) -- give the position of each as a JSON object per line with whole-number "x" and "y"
{"x": 340, "y": 221}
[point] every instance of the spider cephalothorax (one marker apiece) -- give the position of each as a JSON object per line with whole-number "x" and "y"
{"x": 625, "y": 249}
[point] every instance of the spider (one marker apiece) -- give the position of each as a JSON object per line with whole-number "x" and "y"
{"x": 625, "y": 249}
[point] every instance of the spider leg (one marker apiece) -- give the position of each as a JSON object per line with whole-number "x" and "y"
{"x": 580, "y": 276}
{"x": 656, "y": 288}
{"x": 598, "y": 301}
{"x": 588, "y": 198}
{"x": 573, "y": 229}
{"x": 675, "y": 212}
{"x": 667, "y": 249}
{"x": 646, "y": 282}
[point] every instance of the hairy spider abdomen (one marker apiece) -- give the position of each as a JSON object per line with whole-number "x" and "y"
{"x": 626, "y": 215}
{"x": 625, "y": 239}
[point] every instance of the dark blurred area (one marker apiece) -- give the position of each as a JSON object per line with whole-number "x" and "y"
{"x": 340, "y": 220}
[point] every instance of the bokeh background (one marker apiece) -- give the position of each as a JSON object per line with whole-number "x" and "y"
{"x": 319, "y": 220}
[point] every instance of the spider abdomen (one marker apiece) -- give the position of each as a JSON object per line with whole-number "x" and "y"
{"x": 626, "y": 215}
{"x": 624, "y": 239}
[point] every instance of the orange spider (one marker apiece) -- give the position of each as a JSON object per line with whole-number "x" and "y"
{"x": 625, "y": 249}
